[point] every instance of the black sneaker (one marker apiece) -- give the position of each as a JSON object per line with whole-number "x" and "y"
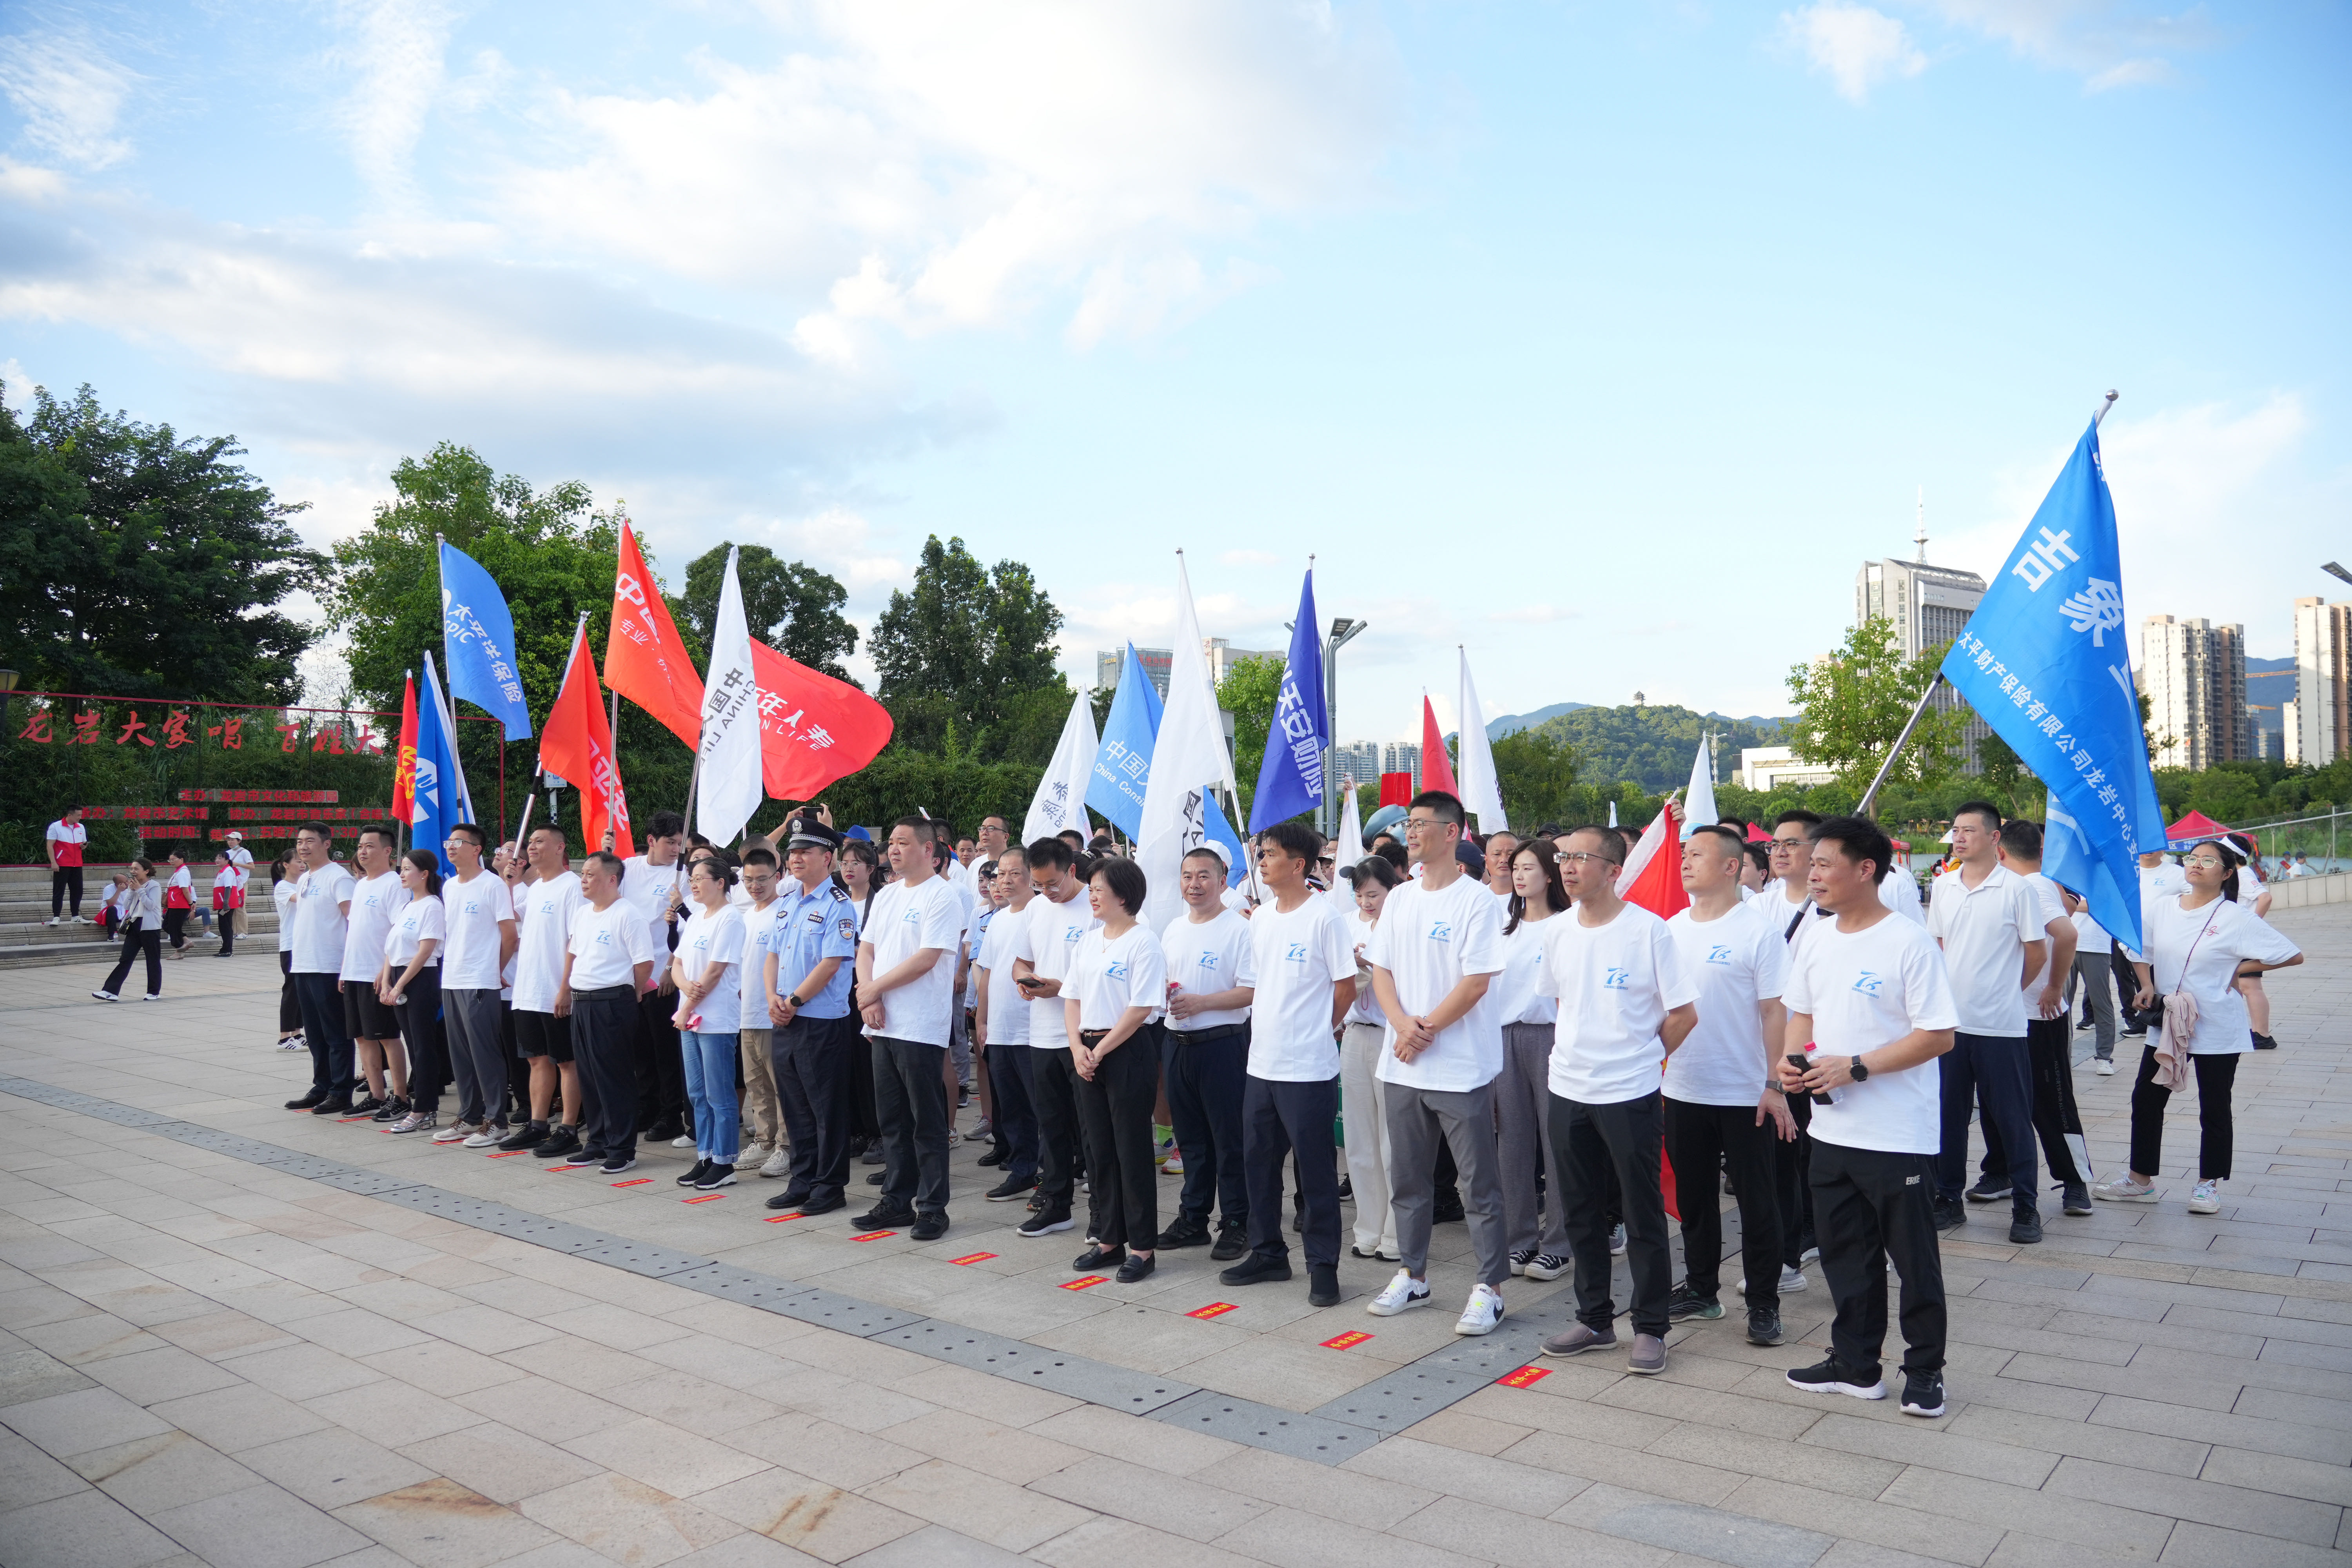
{"x": 1684, "y": 1302}
{"x": 308, "y": 1101}
{"x": 1990, "y": 1190}
{"x": 1046, "y": 1221}
{"x": 369, "y": 1105}
{"x": 2025, "y": 1229}
{"x": 1948, "y": 1214}
{"x": 616, "y": 1165}
{"x": 1135, "y": 1268}
{"x": 1445, "y": 1206}
{"x": 560, "y": 1141}
{"x": 340, "y": 1105}
{"x": 691, "y": 1177}
{"x": 928, "y": 1227}
{"x": 1233, "y": 1240}
{"x": 530, "y": 1135}
{"x": 875, "y": 1179}
{"x": 1012, "y": 1187}
{"x": 882, "y": 1216}
{"x": 1828, "y": 1377}
{"x": 579, "y": 1159}
{"x": 825, "y": 1204}
{"x": 1098, "y": 1256}
{"x": 664, "y": 1130}
{"x": 1763, "y": 1326}
{"x": 873, "y": 1156}
{"x": 1923, "y": 1394}
{"x": 2078, "y": 1201}
{"x": 1322, "y": 1285}
{"x": 393, "y": 1109}
{"x": 2264, "y": 1042}
{"x": 1185, "y": 1232}
{"x": 715, "y": 1174}
{"x": 994, "y": 1158}
{"x": 1256, "y": 1269}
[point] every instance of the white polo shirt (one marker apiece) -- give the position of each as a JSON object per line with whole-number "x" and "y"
{"x": 1984, "y": 930}
{"x": 318, "y": 924}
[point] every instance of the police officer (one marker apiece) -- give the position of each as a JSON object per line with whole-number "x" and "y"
{"x": 811, "y": 963}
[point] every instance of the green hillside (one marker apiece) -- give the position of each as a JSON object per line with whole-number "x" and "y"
{"x": 1652, "y": 746}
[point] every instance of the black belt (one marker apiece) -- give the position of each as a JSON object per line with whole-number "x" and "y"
{"x": 607, "y": 993}
{"x": 1202, "y": 1036}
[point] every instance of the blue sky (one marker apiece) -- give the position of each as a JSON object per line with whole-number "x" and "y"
{"x": 1603, "y": 339}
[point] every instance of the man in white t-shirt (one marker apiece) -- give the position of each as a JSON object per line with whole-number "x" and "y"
{"x": 1437, "y": 948}
{"x": 655, "y": 883}
{"x": 544, "y": 909}
{"x": 376, "y": 900}
{"x": 1058, "y": 917}
{"x": 1786, "y": 904}
{"x": 238, "y": 854}
{"x": 612, "y": 958}
{"x": 1206, "y": 1046}
{"x": 906, "y": 990}
{"x": 1303, "y": 981}
{"x": 1723, "y": 1101}
{"x": 66, "y": 840}
{"x": 1000, "y": 1033}
{"x": 2049, "y": 1042}
{"x": 1988, "y": 920}
{"x": 322, "y": 903}
{"x": 479, "y": 913}
{"x": 1870, "y": 1010}
{"x": 1624, "y": 1005}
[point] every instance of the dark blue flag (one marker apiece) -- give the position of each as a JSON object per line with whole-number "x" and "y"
{"x": 1290, "y": 780}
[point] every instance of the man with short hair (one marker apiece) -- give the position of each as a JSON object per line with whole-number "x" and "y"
{"x": 1001, "y": 1034}
{"x": 762, "y": 1113}
{"x": 655, "y": 883}
{"x": 544, "y": 908}
{"x": 1205, "y": 1054}
{"x": 478, "y": 912}
{"x": 905, "y": 988}
{"x": 1048, "y": 941}
{"x": 1624, "y": 1005}
{"x": 1988, "y": 922}
{"x": 376, "y": 900}
{"x": 1869, "y": 1010}
{"x": 1786, "y": 903}
{"x": 2049, "y": 1043}
{"x": 613, "y": 959}
{"x": 65, "y": 841}
{"x": 811, "y": 959}
{"x": 322, "y": 903}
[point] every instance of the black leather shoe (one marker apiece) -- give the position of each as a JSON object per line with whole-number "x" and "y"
{"x": 1232, "y": 1242}
{"x": 308, "y": 1101}
{"x": 1949, "y": 1215}
{"x": 1255, "y": 1271}
{"x": 1097, "y": 1257}
{"x": 1136, "y": 1269}
{"x": 1185, "y": 1232}
{"x": 824, "y": 1206}
{"x": 882, "y": 1217}
{"x": 336, "y": 1107}
{"x": 994, "y": 1158}
{"x": 1445, "y": 1206}
{"x": 1322, "y": 1285}
{"x": 929, "y": 1227}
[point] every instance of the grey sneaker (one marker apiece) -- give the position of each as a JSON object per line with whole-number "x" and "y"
{"x": 456, "y": 1132}
{"x": 2123, "y": 1190}
{"x": 1580, "y": 1339}
{"x": 1649, "y": 1356}
{"x": 779, "y": 1163}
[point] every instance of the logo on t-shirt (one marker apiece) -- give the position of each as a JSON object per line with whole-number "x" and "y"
{"x": 1208, "y": 961}
{"x": 1719, "y": 955}
{"x": 1868, "y": 984}
{"x": 1616, "y": 979}
{"x": 1441, "y": 930}
{"x": 1116, "y": 971}
{"x": 1297, "y": 953}
{"x": 1070, "y": 936}
{"x": 472, "y": 906}
{"x": 605, "y": 938}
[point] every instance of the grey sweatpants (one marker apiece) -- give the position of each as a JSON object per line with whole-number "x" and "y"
{"x": 478, "y": 1054}
{"x": 1522, "y": 1108}
{"x": 1417, "y": 1119}
{"x": 2096, "y": 971}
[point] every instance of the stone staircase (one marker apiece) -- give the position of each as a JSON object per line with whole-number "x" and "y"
{"x": 27, "y": 940}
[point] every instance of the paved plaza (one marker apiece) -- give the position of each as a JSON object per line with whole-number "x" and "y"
{"x": 237, "y": 1336}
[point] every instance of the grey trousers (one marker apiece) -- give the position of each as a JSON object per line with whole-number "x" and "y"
{"x": 1417, "y": 1119}
{"x": 2094, "y": 971}
{"x": 478, "y": 1054}
{"x": 1523, "y": 1137}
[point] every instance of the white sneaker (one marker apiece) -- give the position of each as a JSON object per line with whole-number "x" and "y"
{"x": 2123, "y": 1190}
{"x": 2106, "y": 1068}
{"x": 2205, "y": 1198}
{"x": 751, "y": 1154}
{"x": 779, "y": 1163}
{"x": 1617, "y": 1241}
{"x": 153, "y": 996}
{"x": 1483, "y": 1312}
{"x": 683, "y": 1141}
{"x": 293, "y": 1043}
{"x": 1404, "y": 1291}
{"x": 53, "y": 920}
{"x": 105, "y": 996}
{"x": 456, "y": 1132}
{"x": 483, "y": 1138}
{"x": 1791, "y": 1282}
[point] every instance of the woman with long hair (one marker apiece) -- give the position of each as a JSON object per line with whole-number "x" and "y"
{"x": 2197, "y": 943}
{"x": 707, "y": 968}
{"x": 142, "y": 935}
{"x": 410, "y": 984}
{"x": 283, "y": 876}
{"x": 1359, "y": 1053}
{"x": 1528, "y": 1011}
{"x": 1113, "y": 998}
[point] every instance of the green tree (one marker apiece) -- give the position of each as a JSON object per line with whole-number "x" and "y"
{"x": 794, "y": 609}
{"x": 1249, "y": 691}
{"x": 136, "y": 562}
{"x": 1853, "y": 703}
{"x": 1536, "y": 770}
{"x": 1651, "y": 745}
{"x": 963, "y": 646}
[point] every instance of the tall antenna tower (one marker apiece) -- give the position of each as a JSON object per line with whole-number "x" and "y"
{"x": 1920, "y": 538}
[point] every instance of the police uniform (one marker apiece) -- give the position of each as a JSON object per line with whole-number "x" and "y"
{"x": 812, "y": 1055}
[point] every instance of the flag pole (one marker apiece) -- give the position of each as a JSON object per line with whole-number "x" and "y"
{"x": 2098, "y": 417}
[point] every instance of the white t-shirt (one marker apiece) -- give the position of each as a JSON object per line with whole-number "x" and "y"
{"x": 760, "y": 929}
{"x": 1737, "y": 961}
{"x": 1297, "y": 958}
{"x": 419, "y": 921}
{"x": 1008, "y": 1010}
{"x": 1428, "y": 941}
{"x": 1523, "y": 994}
{"x": 543, "y": 911}
{"x": 1049, "y": 940}
{"x": 376, "y": 901}
{"x": 1899, "y": 892}
{"x": 607, "y": 945}
{"x": 1867, "y": 989}
{"x": 2236, "y": 933}
{"x": 1359, "y": 927}
{"x": 318, "y": 899}
{"x": 282, "y": 895}
{"x": 472, "y": 912}
{"x": 2090, "y": 936}
{"x": 1110, "y": 974}
{"x": 1984, "y": 930}
{"x": 1204, "y": 957}
{"x": 240, "y": 857}
{"x": 647, "y": 886}
{"x": 708, "y": 942}
{"x": 2165, "y": 879}
{"x": 1616, "y": 984}
{"x": 2047, "y": 905}
{"x": 906, "y": 921}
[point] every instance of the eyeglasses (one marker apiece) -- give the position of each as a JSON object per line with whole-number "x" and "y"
{"x": 1581, "y": 856}
{"x": 2207, "y": 862}
{"x": 1424, "y": 822}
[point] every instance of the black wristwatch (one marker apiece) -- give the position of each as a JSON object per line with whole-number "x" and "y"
{"x": 1861, "y": 1073}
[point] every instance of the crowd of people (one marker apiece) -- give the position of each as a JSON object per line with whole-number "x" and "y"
{"x": 1452, "y": 1029}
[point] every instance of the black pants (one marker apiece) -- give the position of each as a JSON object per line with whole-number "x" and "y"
{"x": 64, "y": 879}
{"x": 1013, "y": 1124}
{"x": 1792, "y": 1180}
{"x": 428, "y": 1047}
{"x": 289, "y": 1006}
{"x": 1205, "y": 1075}
{"x": 864, "y": 1123}
{"x": 1993, "y": 1075}
{"x": 1871, "y": 1208}
{"x": 910, "y": 1097}
{"x": 2050, "y": 1058}
{"x": 2215, "y": 1077}
{"x": 1053, "y": 1089}
{"x": 1592, "y": 1141}
{"x": 175, "y": 927}
{"x": 606, "y": 1047}
{"x": 1115, "y": 1108}
{"x": 137, "y": 940}
{"x": 1698, "y": 1138}
{"x": 811, "y": 1059}
{"x": 226, "y": 920}
{"x": 660, "y": 1092}
{"x": 321, "y": 998}
{"x": 1278, "y": 1118}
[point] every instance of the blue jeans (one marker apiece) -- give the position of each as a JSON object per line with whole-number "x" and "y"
{"x": 710, "y": 1086}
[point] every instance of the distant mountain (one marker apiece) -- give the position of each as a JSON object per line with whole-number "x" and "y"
{"x": 1652, "y": 745}
{"x": 1512, "y": 723}
{"x": 2270, "y": 685}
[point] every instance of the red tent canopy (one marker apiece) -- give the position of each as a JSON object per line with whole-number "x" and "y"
{"x": 2192, "y": 828}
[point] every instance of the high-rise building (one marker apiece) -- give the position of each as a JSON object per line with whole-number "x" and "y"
{"x": 1403, "y": 757}
{"x": 2318, "y": 723}
{"x": 1928, "y": 607}
{"x": 1357, "y": 761}
{"x": 1222, "y": 656}
{"x": 2194, "y": 674}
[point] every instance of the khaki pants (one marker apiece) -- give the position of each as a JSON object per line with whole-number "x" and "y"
{"x": 761, "y": 1118}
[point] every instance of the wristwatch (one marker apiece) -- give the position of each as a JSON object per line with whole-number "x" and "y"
{"x": 1861, "y": 1073}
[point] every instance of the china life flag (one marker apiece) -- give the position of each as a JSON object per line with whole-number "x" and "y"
{"x": 403, "y": 766}
{"x": 577, "y": 744}
{"x": 643, "y": 661}
{"x": 814, "y": 729}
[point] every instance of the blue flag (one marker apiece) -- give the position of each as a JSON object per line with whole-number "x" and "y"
{"x": 2046, "y": 662}
{"x": 441, "y": 798}
{"x": 477, "y": 637}
{"x": 1290, "y": 780}
{"x": 1123, "y": 764}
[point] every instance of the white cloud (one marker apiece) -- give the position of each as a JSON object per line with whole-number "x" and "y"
{"x": 2109, "y": 43}
{"x": 394, "y": 50}
{"x": 1856, "y": 46}
{"x": 70, "y": 95}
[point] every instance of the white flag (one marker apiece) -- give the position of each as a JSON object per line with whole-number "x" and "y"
{"x": 1062, "y": 794}
{"x": 1698, "y": 795}
{"x": 1473, "y": 768}
{"x": 730, "y": 788}
{"x": 1347, "y": 850}
{"x": 1187, "y": 760}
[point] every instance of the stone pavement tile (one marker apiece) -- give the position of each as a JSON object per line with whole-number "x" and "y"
{"x": 1144, "y": 1338}
{"x": 2081, "y": 1520}
{"x": 522, "y": 1297}
{"x": 93, "y": 1336}
{"x": 976, "y": 1443}
{"x": 1624, "y": 1466}
{"x": 846, "y": 1401}
{"x": 807, "y": 1515}
{"x": 628, "y": 1520}
{"x": 1856, "y": 1474}
{"x": 151, "y": 1474}
{"x": 302, "y": 1370}
{"x": 28, "y": 1475}
{"x": 28, "y": 1374}
{"x": 833, "y": 1454}
{"x": 700, "y": 1407}
{"x": 2132, "y": 1381}
{"x": 2206, "y": 1502}
{"x": 1376, "y": 1504}
{"x": 2276, "y": 1473}
{"x": 499, "y": 1462}
{"x": 539, "y": 1405}
{"x": 1177, "y": 1504}
{"x": 666, "y": 1457}
{"x": 2310, "y": 1410}
{"x": 391, "y": 1413}
{"x": 1938, "y": 1448}
{"x": 718, "y": 1360}
{"x": 1154, "y": 1445}
{"x": 1458, "y": 1428}
{"x": 35, "y": 1304}
{"x": 440, "y": 1524}
{"x": 936, "y": 1546}
{"x": 1570, "y": 1418}
{"x": 2147, "y": 1451}
{"x": 1707, "y": 1406}
{"x": 1784, "y": 1502}
{"x": 1123, "y": 1544}
{"x": 260, "y": 1527}
{"x": 69, "y": 1424}
{"x": 2335, "y": 1386}
{"x": 218, "y": 1335}
{"x": 2197, "y": 1545}
{"x": 356, "y": 1332}
{"x": 2262, "y": 1435}
{"x": 2298, "y": 1352}
{"x": 480, "y": 1328}
{"x": 2126, "y": 1332}
{"x": 2018, "y": 1550}
{"x": 728, "y": 1320}
{"x": 1700, "y": 1532}
{"x": 978, "y": 1394}
{"x": 1294, "y": 1540}
{"x": 617, "y": 1328}
{"x": 1863, "y": 1554}
{"x": 1276, "y": 1371}
{"x": 741, "y": 1550}
{"x": 87, "y": 1530}
{"x": 331, "y": 1469}
{"x": 581, "y": 1363}
{"x": 977, "y": 1505}
{"x": 444, "y": 1368}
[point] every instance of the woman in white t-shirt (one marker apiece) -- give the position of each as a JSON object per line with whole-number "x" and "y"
{"x": 1113, "y": 995}
{"x": 179, "y": 902}
{"x": 2198, "y": 942}
{"x": 284, "y": 888}
{"x": 1359, "y": 1052}
{"x": 410, "y": 984}
{"x": 1529, "y": 1009}
{"x": 708, "y": 969}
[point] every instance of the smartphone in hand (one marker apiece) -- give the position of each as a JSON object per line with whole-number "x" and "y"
{"x": 1798, "y": 1059}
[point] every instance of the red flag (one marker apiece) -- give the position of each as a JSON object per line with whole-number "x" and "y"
{"x": 1396, "y": 789}
{"x": 644, "y": 659}
{"x": 1653, "y": 878}
{"x": 1436, "y": 767}
{"x": 576, "y": 743}
{"x": 814, "y": 729}
{"x": 403, "y": 766}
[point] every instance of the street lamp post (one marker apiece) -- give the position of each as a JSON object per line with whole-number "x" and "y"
{"x": 1344, "y": 630}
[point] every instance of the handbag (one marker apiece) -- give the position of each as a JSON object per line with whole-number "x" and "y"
{"x": 2172, "y": 1046}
